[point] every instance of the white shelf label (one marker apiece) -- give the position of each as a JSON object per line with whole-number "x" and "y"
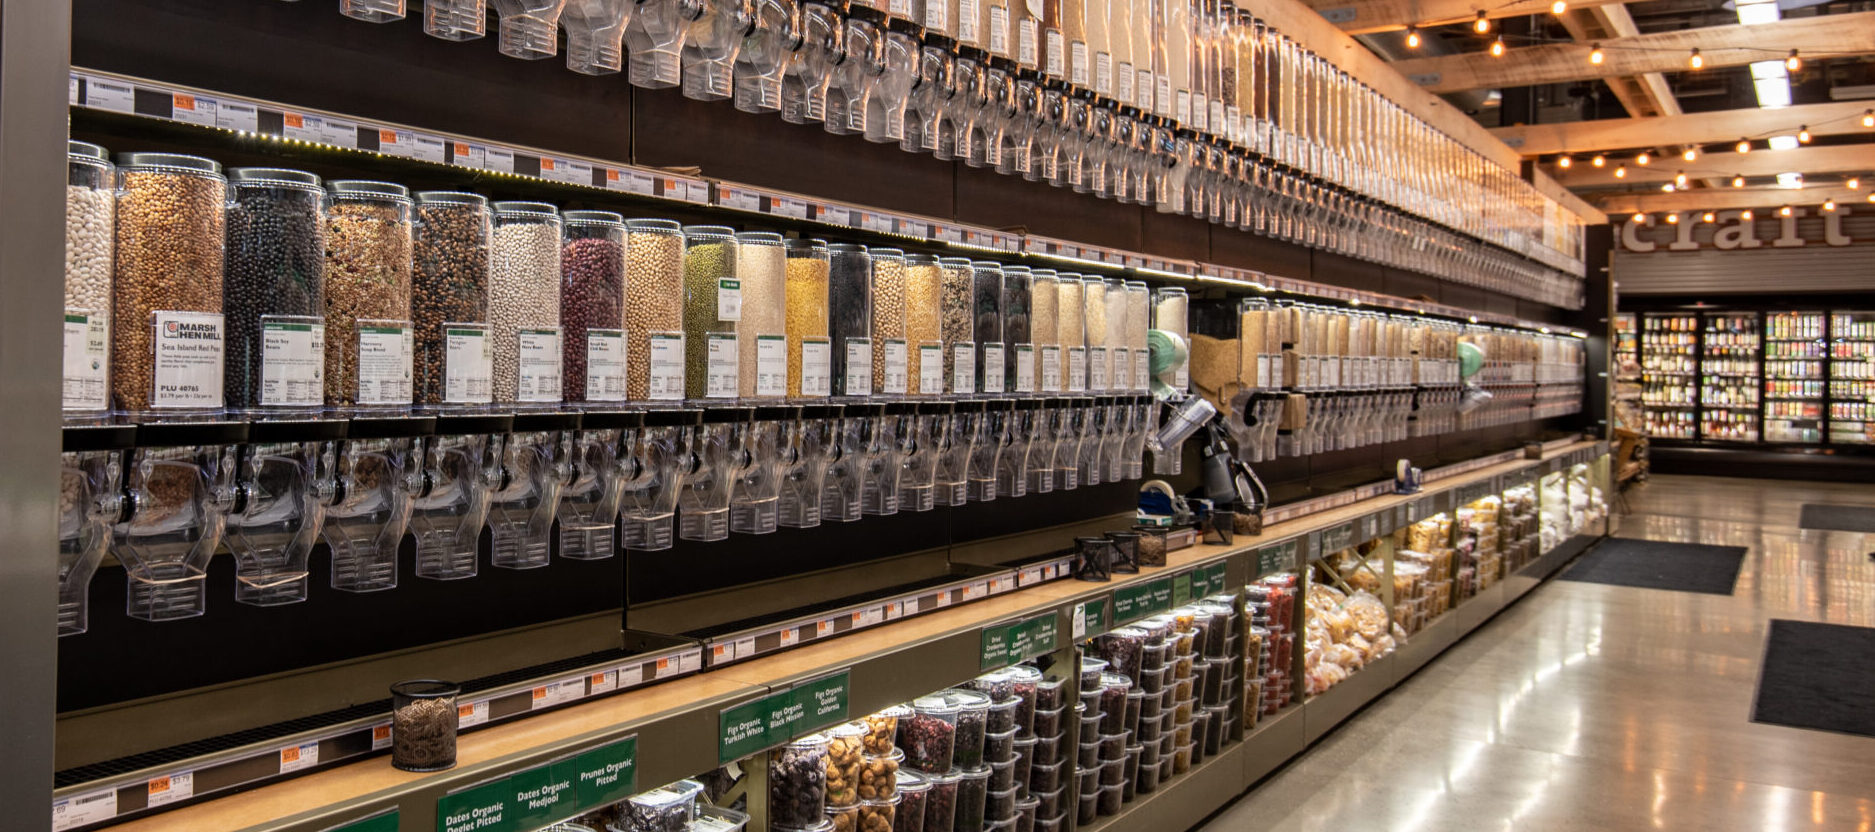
{"x": 471, "y": 714}
{"x": 188, "y": 360}
{"x": 602, "y": 682}
{"x": 771, "y": 365}
{"x": 930, "y": 369}
{"x": 666, "y": 380}
{"x": 897, "y": 370}
{"x": 858, "y": 367}
{"x": 293, "y": 362}
{"x": 541, "y": 363}
{"x": 605, "y": 365}
{"x": 816, "y": 366}
{"x": 1051, "y": 369}
{"x": 468, "y": 364}
{"x": 231, "y": 115}
{"x": 963, "y": 368}
{"x": 467, "y": 155}
{"x": 384, "y": 353}
{"x": 1025, "y": 368}
{"x": 86, "y": 361}
{"x": 84, "y": 810}
{"x": 722, "y": 376}
{"x": 993, "y": 368}
{"x": 498, "y": 159}
{"x": 116, "y": 96}
{"x": 1097, "y": 369}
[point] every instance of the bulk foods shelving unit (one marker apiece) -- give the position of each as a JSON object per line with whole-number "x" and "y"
{"x": 672, "y": 730}
{"x": 618, "y": 696}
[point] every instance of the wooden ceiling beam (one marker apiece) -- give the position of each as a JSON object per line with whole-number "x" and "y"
{"x": 1717, "y": 127}
{"x": 1360, "y": 17}
{"x": 1809, "y": 161}
{"x": 1720, "y": 46}
{"x": 1727, "y": 199}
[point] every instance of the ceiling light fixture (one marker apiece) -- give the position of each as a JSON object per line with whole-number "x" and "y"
{"x": 1621, "y": 171}
{"x": 1854, "y": 183}
{"x": 1412, "y": 37}
{"x": 1784, "y": 211}
{"x": 1745, "y": 215}
{"x": 1643, "y": 159}
{"x": 1595, "y": 55}
{"x": 1829, "y": 205}
{"x": 1558, "y": 7}
{"x": 1679, "y": 179}
{"x": 1710, "y": 217}
{"x": 1497, "y": 47}
{"x": 1673, "y": 218}
{"x": 1640, "y": 217}
{"x": 1667, "y": 187}
{"x": 1868, "y": 118}
{"x": 1782, "y": 142}
{"x": 1564, "y": 162}
{"x": 1793, "y": 63}
{"x": 1803, "y": 134}
{"x": 1744, "y": 145}
{"x": 1738, "y": 181}
{"x": 1482, "y": 24}
{"x": 1691, "y": 154}
{"x": 1599, "y": 160}
{"x": 1696, "y": 60}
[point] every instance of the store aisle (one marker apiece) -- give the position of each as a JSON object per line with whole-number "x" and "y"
{"x": 1595, "y": 707}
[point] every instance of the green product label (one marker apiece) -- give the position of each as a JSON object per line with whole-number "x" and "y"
{"x": 607, "y": 774}
{"x": 1094, "y": 617}
{"x": 382, "y": 330}
{"x": 1044, "y": 635}
{"x": 386, "y": 822}
{"x": 1338, "y": 538}
{"x": 479, "y": 809}
{"x": 995, "y": 652}
{"x": 76, "y": 319}
{"x": 1278, "y": 558}
{"x": 726, "y": 283}
{"x": 467, "y": 333}
{"x": 742, "y": 730}
{"x": 543, "y": 794}
{"x": 271, "y": 326}
{"x": 1181, "y": 589}
{"x": 781, "y": 716}
{"x": 823, "y": 701}
{"x": 1134, "y": 602}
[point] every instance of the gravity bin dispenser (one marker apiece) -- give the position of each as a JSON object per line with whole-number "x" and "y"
{"x": 179, "y": 485}
{"x": 599, "y": 462}
{"x": 660, "y": 469}
{"x": 284, "y": 482}
{"x": 91, "y": 498}
{"x": 766, "y": 441}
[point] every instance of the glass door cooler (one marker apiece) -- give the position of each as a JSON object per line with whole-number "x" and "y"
{"x": 1852, "y": 378}
{"x": 1728, "y": 377}
{"x": 1669, "y": 349}
{"x": 1795, "y": 350}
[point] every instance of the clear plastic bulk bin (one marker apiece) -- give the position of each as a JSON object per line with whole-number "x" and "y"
{"x": 449, "y": 301}
{"x": 168, "y": 333}
{"x": 90, "y": 228}
{"x": 369, "y": 339}
{"x": 654, "y": 312}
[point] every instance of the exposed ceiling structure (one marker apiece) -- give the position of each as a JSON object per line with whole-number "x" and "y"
{"x": 1633, "y": 105}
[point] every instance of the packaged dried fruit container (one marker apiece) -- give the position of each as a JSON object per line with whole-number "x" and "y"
{"x": 797, "y": 782}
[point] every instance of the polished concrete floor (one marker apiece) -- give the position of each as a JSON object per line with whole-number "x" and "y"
{"x": 1593, "y": 707}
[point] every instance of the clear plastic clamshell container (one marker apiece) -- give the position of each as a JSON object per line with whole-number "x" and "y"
{"x": 660, "y": 466}
{"x": 180, "y": 498}
{"x": 767, "y": 443}
{"x": 715, "y": 452}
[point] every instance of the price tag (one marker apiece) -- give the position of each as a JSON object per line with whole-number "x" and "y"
{"x": 468, "y": 364}
{"x": 602, "y": 682}
{"x": 771, "y": 365}
{"x": 740, "y": 199}
{"x": 192, "y": 109}
{"x": 666, "y": 380}
{"x": 296, "y": 757}
{"x": 84, "y": 810}
{"x": 471, "y": 714}
{"x": 788, "y": 207}
{"x": 858, "y": 367}
{"x": 171, "y": 788}
{"x": 467, "y": 155}
{"x": 1051, "y": 369}
{"x": 537, "y": 378}
{"x": 232, "y": 115}
{"x": 557, "y": 693}
{"x": 605, "y": 365}
{"x": 116, "y": 96}
{"x": 1025, "y": 368}
{"x": 1077, "y": 369}
{"x": 380, "y": 737}
{"x": 498, "y": 159}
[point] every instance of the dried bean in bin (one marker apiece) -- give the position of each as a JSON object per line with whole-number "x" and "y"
{"x": 171, "y": 228}
{"x": 592, "y": 305}
{"x": 369, "y": 239}
{"x": 449, "y": 285}
{"x": 273, "y": 290}
{"x": 654, "y": 307}
{"x": 90, "y": 226}
{"x": 524, "y": 303}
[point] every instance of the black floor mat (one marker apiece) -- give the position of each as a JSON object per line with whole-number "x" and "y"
{"x": 1838, "y": 518}
{"x": 1818, "y": 676}
{"x": 1652, "y": 564}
